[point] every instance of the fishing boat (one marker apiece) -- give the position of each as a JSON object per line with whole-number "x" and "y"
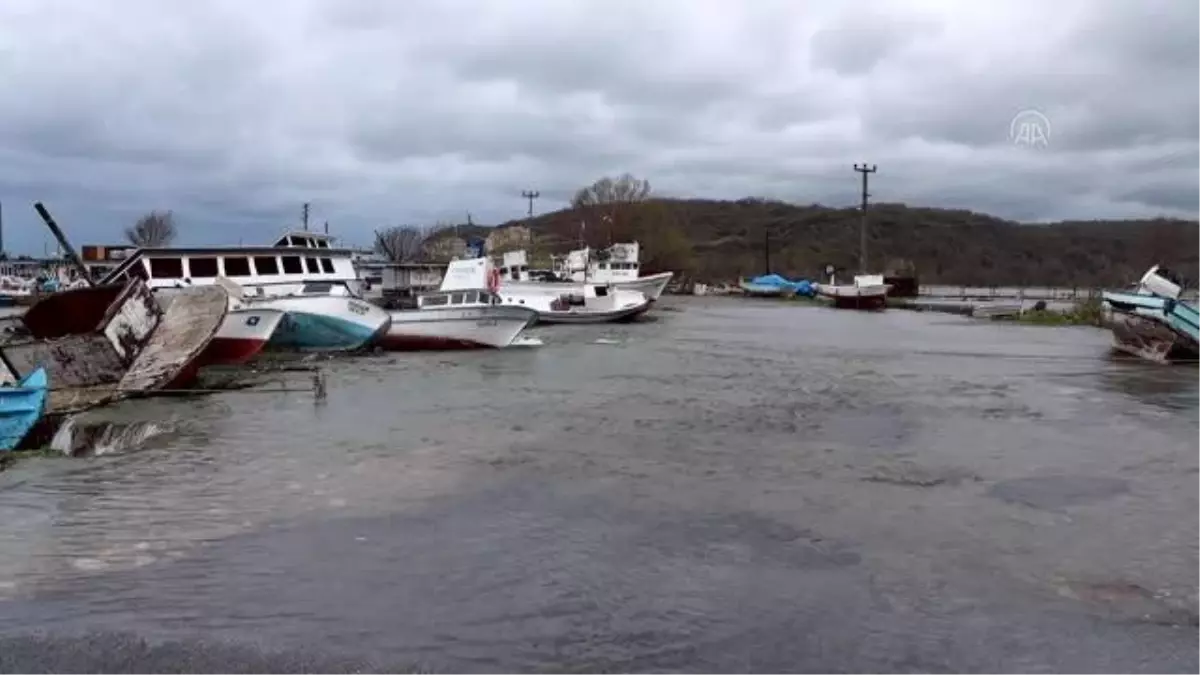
{"x": 617, "y": 266}
{"x": 464, "y": 313}
{"x": 303, "y": 276}
{"x": 589, "y": 303}
{"x": 1151, "y": 321}
{"x": 325, "y": 316}
{"x": 103, "y": 343}
{"x": 867, "y": 292}
{"x": 22, "y": 404}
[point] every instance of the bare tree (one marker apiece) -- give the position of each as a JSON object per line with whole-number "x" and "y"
{"x": 608, "y": 204}
{"x": 153, "y": 230}
{"x": 612, "y": 191}
{"x": 402, "y": 243}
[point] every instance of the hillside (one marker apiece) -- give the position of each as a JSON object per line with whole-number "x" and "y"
{"x": 721, "y": 240}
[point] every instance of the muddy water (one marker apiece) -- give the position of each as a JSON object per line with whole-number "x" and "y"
{"x": 737, "y": 486}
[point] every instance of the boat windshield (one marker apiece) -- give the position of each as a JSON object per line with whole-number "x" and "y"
{"x": 455, "y": 298}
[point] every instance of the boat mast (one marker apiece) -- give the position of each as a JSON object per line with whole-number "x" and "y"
{"x": 862, "y": 222}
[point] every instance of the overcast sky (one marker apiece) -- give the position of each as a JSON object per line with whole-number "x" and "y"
{"x": 233, "y": 113}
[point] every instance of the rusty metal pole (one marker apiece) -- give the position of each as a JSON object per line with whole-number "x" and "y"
{"x": 66, "y": 245}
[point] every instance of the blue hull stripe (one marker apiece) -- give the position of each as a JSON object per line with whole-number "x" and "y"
{"x": 303, "y": 331}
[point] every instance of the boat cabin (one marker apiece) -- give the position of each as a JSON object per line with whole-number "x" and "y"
{"x": 618, "y": 262}
{"x": 463, "y": 298}
{"x": 296, "y": 259}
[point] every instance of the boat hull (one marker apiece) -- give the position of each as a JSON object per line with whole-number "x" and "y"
{"x": 870, "y": 298}
{"x": 456, "y": 328}
{"x": 581, "y": 316}
{"x": 762, "y": 291}
{"x": 1157, "y": 329}
{"x": 652, "y": 286}
{"x": 326, "y": 323}
{"x": 21, "y": 406}
{"x": 172, "y": 356}
{"x": 242, "y": 336}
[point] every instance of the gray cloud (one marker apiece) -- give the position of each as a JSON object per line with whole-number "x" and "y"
{"x": 379, "y": 112}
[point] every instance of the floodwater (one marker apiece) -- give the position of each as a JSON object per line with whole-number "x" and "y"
{"x": 735, "y": 486}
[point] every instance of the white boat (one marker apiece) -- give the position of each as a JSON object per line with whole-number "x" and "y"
{"x": 463, "y": 314}
{"x": 618, "y": 265}
{"x": 303, "y": 275}
{"x": 582, "y": 303}
{"x": 867, "y": 292}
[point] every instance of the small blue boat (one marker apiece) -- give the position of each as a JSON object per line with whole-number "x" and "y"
{"x": 773, "y": 285}
{"x": 21, "y": 406}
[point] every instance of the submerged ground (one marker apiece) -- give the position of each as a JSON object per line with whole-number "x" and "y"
{"x": 737, "y": 486}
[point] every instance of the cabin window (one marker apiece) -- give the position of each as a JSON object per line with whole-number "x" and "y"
{"x": 237, "y": 267}
{"x": 313, "y": 266}
{"x": 204, "y": 268}
{"x": 601, "y": 291}
{"x": 456, "y": 298}
{"x": 265, "y": 264}
{"x": 434, "y": 301}
{"x": 326, "y": 265}
{"x": 604, "y": 266}
{"x": 292, "y": 265}
{"x": 138, "y": 270}
{"x": 321, "y": 243}
{"x": 319, "y": 288}
{"x": 290, "y": 241}
{"x": 166, "y": 268}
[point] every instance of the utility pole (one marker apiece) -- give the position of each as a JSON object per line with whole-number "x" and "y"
{"x": 304, "y": 216}
{"x": 530, "y": 195}
{"x": 862, "y": 223}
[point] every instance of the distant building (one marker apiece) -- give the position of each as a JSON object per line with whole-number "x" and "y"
{"x": 102, "y": 259}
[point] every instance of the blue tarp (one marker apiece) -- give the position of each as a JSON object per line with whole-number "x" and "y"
{"x": 801, "y": 287}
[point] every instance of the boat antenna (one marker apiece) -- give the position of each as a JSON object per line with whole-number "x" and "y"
{"x": 862, "y": 222}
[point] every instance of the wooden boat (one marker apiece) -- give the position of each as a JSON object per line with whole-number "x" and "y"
{"x": 22, "y": 404}
{"x": 867, "y": 292}
{"x": 1151, "y": 322}
{"x": 103, "y": 343}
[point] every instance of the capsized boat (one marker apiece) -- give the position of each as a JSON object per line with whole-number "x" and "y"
{"x": 103, "y": 343}
{"x": 867, "y": 292}
{"x": 1151, "y": 321}
{"x": 464, "y": 313}
{"x": 22, "y": 404}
